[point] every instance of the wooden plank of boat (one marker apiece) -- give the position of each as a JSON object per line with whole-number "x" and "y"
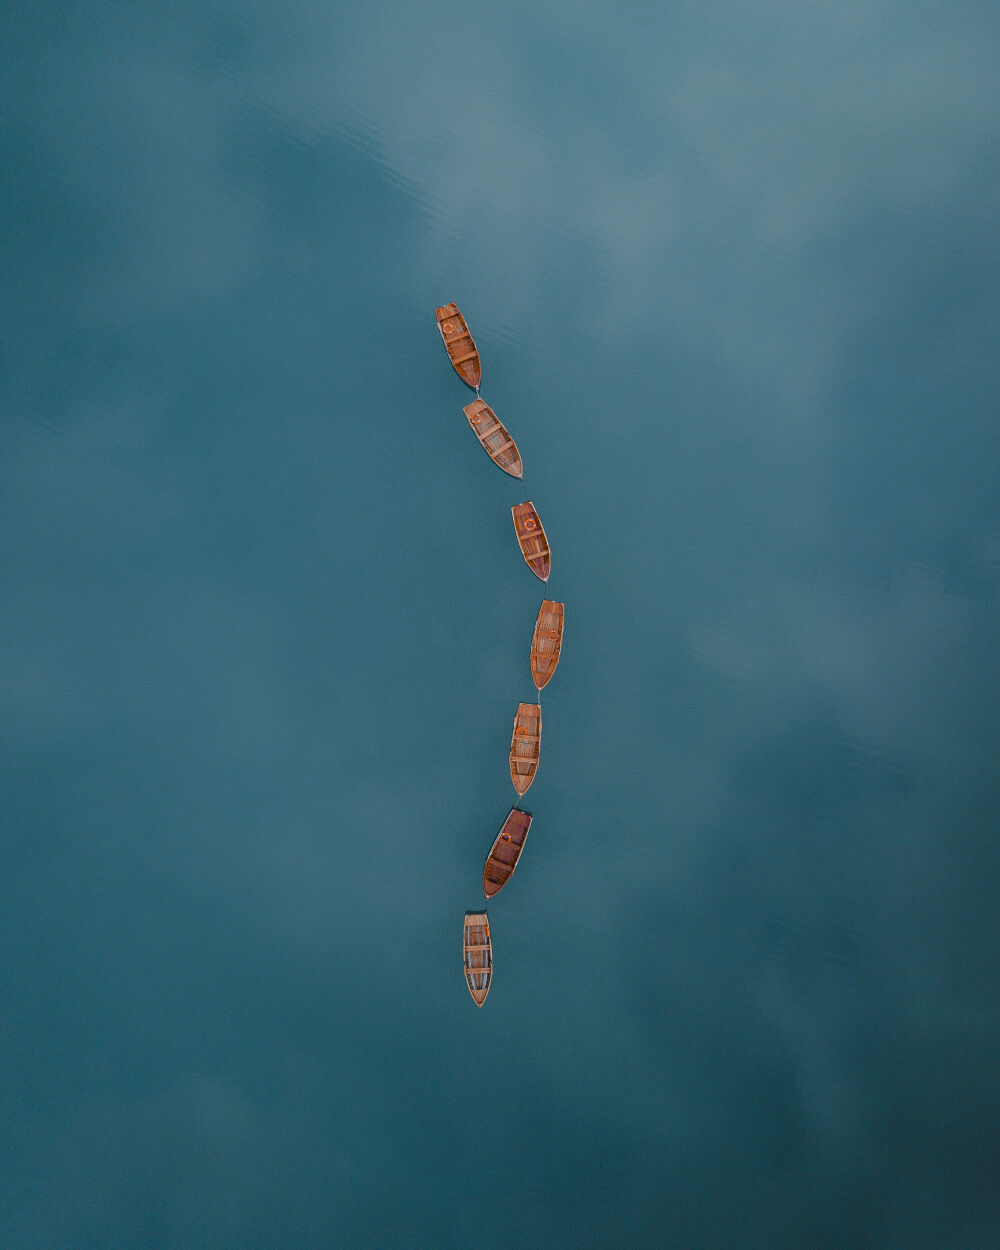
{"x": 502, "y": 859}
{"x": 524, "y": 745}
{"x": 498, "y": 444}
{"x": 477, "y": 955}
{"x": 546, "y": 641}
{"x": 460, "y": 344}
{"x": 532, "y": 539}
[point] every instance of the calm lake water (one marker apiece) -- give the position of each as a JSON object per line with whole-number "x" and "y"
{"x": 733, "y": 272}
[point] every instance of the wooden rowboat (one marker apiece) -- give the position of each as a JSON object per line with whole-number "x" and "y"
{"x": 546, "y": 641}
{"x": 502, "y": 859}
{"x": 524, "y": 744}
{"x": 498, "y": 444}
{"x": 531, "y": 536}
{"x": 460, "y": 344}
{"x": 477, "y": 955}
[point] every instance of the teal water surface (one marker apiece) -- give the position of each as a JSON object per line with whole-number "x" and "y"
{"x": 733, "y": 273}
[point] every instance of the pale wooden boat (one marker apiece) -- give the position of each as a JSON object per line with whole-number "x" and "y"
{"x": 546, "y": 641}
{"x": 460, "y": 344}
{"x": 502, "y": 859}
{"x": 524, "y": 745}
{"x": 497, "y": 443}
{"x": 531, "y": 537}
{"x": 477, "y": 953}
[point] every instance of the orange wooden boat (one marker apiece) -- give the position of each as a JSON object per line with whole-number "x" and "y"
{"x": 477, "y": 953}
{"x": 524, "y": 744}
{"x": 546, "y": 641}
{"x": 460, "y": 344}
{"x": 531, "y": 536}
{"x": 502, "y": 859}
{"x": 499, "y": 445}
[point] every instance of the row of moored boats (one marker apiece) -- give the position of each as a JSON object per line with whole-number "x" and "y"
{"x": 546, "y": 646}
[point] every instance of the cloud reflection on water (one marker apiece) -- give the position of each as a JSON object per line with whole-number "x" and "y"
{"x": 732, "y": 273}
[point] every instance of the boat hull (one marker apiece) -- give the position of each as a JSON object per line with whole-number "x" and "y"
{"x": 477, "y": 955}
{"x": 525, "y": 744}
{"x": 532, "y": 539}
{"x": 493, "y": 437}
{"x": 506, "y": 851}
{"x": 460, "y": 345}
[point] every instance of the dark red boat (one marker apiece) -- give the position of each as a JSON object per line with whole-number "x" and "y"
{"x": 502, "y": 859}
